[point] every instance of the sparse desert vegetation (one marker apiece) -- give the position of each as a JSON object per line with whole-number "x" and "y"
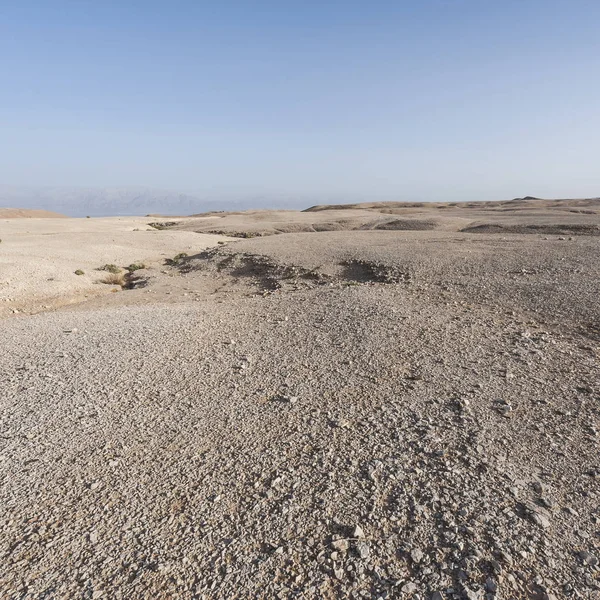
{"x": 111, "y": 268}
{"x": 40, "y": 256}
{"x": 114, "y": 279}
{"x": 135, "y": 267}
{"x": 177, "y": 259}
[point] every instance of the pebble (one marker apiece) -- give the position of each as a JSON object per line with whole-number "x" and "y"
{"x": 363, "y": 550}
{"x": 588, "y": 558}
{"x": 540, "y": 519}
{"x": 409, "y": 588}
{"x": 416, "y": 555}
{"x": 341, "y": 545}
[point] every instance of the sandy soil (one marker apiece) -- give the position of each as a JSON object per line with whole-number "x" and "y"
{"x": 28, "y": 213}
{"x": 39, "y": 257}
{"x": 338, "y": 414}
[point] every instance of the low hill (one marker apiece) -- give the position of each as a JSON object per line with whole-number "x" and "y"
{"x": 529, "y": 201}
{"x": 28, "y": 213}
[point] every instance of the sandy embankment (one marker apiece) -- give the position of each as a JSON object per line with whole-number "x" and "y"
{"x": 39, "y": 257}
{"x": 29, "y": 213}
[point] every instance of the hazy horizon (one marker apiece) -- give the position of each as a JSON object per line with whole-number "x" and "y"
{"x": 140, "y": 200}
{"x": 443, "y": 100}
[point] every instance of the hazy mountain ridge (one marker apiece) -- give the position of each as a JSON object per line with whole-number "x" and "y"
{"x": 94, "y": 202}
{"x": 79, "y": 202}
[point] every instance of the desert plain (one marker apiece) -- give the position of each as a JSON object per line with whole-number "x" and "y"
{"x": 383, "y": 400}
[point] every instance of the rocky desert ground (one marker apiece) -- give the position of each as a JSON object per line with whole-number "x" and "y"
{"x": 367, "y": 401}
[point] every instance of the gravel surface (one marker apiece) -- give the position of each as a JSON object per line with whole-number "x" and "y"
{"x": 379, "y": 423}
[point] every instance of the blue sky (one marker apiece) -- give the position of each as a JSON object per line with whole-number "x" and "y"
{"x": 421, "y": 99}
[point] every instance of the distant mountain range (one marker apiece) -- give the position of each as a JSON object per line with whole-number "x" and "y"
{"x": 97, "y": 202}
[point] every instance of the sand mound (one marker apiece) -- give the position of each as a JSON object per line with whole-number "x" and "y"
{"x": 28, "y": 213}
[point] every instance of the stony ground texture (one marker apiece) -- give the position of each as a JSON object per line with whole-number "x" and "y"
{"x": 329, "y": 415}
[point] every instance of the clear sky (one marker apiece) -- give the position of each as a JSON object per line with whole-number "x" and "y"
{"x": 419, "y": 99}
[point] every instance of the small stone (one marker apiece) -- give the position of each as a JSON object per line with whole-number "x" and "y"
{"x": 588, "y": 558}
{"x": 496, "y": 566}
{"x": 491, "y": 585}
{"x": 363, "y": 550}
{"x": 341, "y": 545}
{"x": 288, "y": 399}
{"x": 437, "y": 596}
{"x": 409, "y": 588}
{"x": 358, "y": 532}
{"x": 93, "y": 537}
{"x": 416, "y": 555}
{"x": 472, "y": 595}
{"x": 540, "y": 519}
{"x": 538, "y": 487}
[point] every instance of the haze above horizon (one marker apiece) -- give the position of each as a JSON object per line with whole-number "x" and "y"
{"x": 441, "y": 100}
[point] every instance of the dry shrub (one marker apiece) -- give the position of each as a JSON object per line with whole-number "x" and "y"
{"x": 114, "y": 279}
{"x": 110, "y": 268}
